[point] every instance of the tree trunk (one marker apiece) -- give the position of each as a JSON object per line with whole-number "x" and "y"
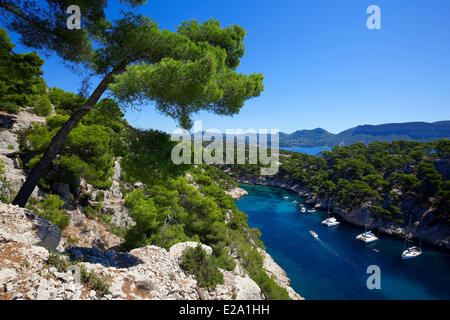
{"x": 57, "y": 142}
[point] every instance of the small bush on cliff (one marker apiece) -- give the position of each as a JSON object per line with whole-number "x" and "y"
{"x": 58, "y": 261}
{"x": 65, "y": 102}
{"x": 94, "y": 281}
{"x": 51, "y": 211}
{"x": 43, "y": 107}
{"x": 197, "y": 262}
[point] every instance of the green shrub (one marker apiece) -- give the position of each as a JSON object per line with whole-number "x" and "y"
{"x": 43, "y": 107}
{"x": 9, "y": 107}
{"x": 58, "y": 261}
{"x": 197, "y": 262}
{"x": 50, "y": 210}
{"x": 65, "y": 102}
{"x": 95, "y": 282}
{"x": 91, "y": 212}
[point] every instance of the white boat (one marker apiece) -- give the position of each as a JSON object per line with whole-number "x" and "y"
{"x": 285, "y": 197}
{"x": 367, "y": 237}
{"x": 311, "y": 210}
{"x": 330, "y": 222}
{"x": 303, "y": 210}
{"x": 314, "y": 234}
{"x": 411, "y": 252}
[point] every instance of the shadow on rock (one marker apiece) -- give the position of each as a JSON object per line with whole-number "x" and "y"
{"x": 109, "y": 258}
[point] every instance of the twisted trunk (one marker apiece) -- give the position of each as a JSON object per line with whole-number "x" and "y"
{"x": 57, "y": 142}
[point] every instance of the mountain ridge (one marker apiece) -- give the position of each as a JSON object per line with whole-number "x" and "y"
{"x": 318, "y": 137}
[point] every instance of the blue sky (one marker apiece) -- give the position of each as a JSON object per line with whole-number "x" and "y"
{"x": 322, "y": 66}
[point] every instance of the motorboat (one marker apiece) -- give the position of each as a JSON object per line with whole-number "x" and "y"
{"x": 311, "y": 210}
{"x": 411, "y": 253}
{"x": 367, "y": 237}
{"x": 314, "y": 234}
{"x": 330, "y": 222}
{"x": 303, "y": 210}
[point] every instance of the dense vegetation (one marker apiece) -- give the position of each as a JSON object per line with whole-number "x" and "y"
{"x": 91, "y": 146}
{"x": 383, "y": 175}
{"x": 195, "y": 208}
{"x": 20, "y": 81}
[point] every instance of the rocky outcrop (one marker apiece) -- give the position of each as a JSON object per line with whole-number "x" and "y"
{"x": 13, "y": 175}
{"x": 235, "y": 287}
{"x": 236, "y": 193}
{"x": 89, "y": 233}
{"x": 279, "y": 275}
{"x": 25, "y": 120}
{"x": 144, "y": 273}
{"x": 177, "y": 249}
{"x": 149, "y": 273}
{"x": 24, "y": 226}
{"x": 8, "y": 142}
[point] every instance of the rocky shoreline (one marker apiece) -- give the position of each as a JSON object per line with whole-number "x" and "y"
{"x": 437, "y": 235}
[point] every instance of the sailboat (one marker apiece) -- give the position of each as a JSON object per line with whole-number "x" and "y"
{"x": 412, "y": 251}
{"x": 367, "y": 236}
{"x": 330, "y": 221}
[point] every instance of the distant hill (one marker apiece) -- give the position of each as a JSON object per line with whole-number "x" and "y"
{"x": 418, "y": 131}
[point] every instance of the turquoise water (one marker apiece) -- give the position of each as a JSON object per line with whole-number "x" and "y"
{"x": 308, "y": 150}
{"x": 335, "y": 267}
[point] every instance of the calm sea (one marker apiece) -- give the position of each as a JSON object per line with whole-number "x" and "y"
{"x": 336, "y": 266}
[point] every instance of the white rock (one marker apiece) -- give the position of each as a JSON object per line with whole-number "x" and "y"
{"x": 21, "y": 225}
{"x": 176, "y": 250}
{"x": 247, "y": 289}
{"x": 7, "y": 275}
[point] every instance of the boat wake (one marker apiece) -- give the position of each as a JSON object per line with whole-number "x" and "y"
{"x": 334, "y": 252}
